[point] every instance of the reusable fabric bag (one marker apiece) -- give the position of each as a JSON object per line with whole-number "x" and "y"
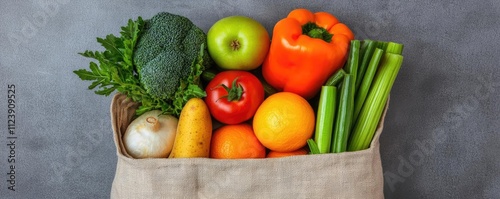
{"x": 342, "y": 175}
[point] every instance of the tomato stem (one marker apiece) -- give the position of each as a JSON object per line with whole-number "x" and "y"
{"x": 234, "y": 93}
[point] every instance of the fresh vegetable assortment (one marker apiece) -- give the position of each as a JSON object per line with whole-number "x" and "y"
{"x": 256, "y": 89}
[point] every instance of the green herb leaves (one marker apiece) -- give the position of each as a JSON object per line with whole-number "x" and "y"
{"x": 114, "y": 70}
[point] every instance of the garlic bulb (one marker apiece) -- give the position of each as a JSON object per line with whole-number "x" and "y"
{"x": 150, "y": 135}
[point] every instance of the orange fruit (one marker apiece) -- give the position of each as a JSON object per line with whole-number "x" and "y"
{"x": 284, "y": 122}
{"x": 276, "y": 154}
{"x": 236, "y": 141}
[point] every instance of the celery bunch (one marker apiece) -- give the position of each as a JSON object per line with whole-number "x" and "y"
{"x": 371, "y": 111}
{"x": 348, "y": 119}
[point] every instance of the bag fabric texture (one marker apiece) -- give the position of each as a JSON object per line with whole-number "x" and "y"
{"x": 344, "y": 175}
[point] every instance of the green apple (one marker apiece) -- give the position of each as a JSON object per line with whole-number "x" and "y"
{"x": 238, "y": 43}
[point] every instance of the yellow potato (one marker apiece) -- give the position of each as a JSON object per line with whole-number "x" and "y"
{"x": 194, "y": 131}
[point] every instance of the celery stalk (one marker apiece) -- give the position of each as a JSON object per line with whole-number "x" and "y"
{"x": 365, "y": 60}
{"x": 394, "y": 48}
{"x": 313, "y": 147}
{"x": 336, "y": 78}
{"x": 364, "y": 88}
{"x": 382, "y": 45}
{"x": 344, "y": 115}
{"x": 325, "y": 118}
{"x": 363, "y": 47}
{"x": 353, "y": 60}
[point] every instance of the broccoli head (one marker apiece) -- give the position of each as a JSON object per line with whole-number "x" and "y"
{"x": 165, "y": 51}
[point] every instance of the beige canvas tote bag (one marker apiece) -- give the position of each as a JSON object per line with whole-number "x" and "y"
{"x": 344, "y": 175}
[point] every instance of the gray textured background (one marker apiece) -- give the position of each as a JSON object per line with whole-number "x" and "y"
{"x": 441, "y": 136}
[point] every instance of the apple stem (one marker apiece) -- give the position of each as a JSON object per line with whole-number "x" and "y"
{"x": 235, "y": 45}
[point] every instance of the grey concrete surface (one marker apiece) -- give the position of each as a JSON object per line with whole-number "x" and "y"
{"x": 441, "y": 135}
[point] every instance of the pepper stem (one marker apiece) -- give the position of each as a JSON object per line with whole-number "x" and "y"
{"x": 314, "y": 31}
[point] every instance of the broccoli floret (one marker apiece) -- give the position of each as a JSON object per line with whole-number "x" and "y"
{"x": 165, "y": 52}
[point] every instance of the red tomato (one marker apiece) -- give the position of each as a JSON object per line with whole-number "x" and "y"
{"x": 233, "y": 96}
